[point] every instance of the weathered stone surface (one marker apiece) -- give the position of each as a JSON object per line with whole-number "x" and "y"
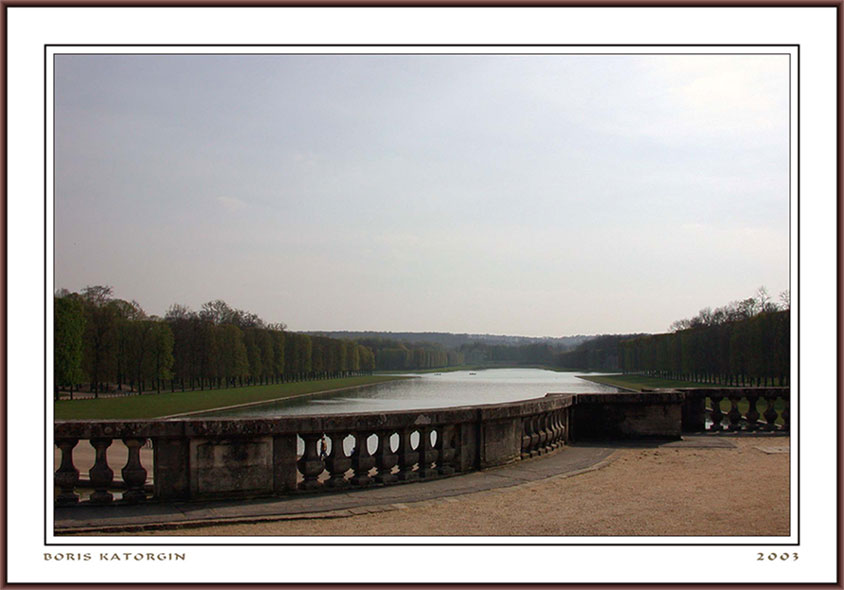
{"x": 694, "y": 413}
{"x": 284, "y": 463}
{"x": 467, "y": 447}
{"x": 171, "y": 475}
{"x": 231, "y": 467}
{"x": 501, "y": 442}
{"x": 627, "y": 416}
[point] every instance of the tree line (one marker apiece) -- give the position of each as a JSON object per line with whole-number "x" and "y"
{"x": 600, "y": 353}
{"x": 108, "y": 343}
{"x": 453, "y": 341}
{"x": 392, "y": 355}
{"x": 746, "y": 342}
{"x": 592, "y": 353}
{"x": 743, "y": 342}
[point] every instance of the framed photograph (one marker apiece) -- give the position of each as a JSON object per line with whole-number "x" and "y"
{"x": 377, "y": 294}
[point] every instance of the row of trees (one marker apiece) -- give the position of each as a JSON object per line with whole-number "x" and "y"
{"x": 108, "y": 342}
{"x": 111, "y": 343}
{"x": 744, "y": 343}
{"x": 100, "y": 339}
{"x": 596, "y": 354}
{"x": 392, "y": 355}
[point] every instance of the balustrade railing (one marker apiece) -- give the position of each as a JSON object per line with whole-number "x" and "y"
{"x": 543, "y": 433}
{"x": 241, "y": 457}
{"x": 737, "y": 410}
{"x": 197, "y": 458}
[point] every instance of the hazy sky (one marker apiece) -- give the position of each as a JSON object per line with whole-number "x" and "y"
{"x": 529, "y": 195}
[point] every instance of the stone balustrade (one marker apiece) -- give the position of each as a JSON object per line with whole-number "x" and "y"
{"x": 217, "y": 458}
{"x": 740, "y": 409}
{"x": 208, "y": 458}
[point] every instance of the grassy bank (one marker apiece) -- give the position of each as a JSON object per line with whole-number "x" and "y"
{"x": 167, "y": 404}
{"x": 639, "y": 382}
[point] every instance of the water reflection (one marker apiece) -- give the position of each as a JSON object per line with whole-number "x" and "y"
{"x": 440, "y": 390}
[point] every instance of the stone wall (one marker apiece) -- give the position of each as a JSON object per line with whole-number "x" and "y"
{"x": 620, "y": 416}
{"x": 211, "y": 458}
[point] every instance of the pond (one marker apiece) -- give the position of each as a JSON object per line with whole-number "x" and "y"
{"x": 430, "y": 390}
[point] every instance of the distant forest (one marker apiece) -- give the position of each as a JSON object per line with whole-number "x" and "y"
{"x": 744, "y": 342}
{"x": 426, "y": 350}
{"x": 453, "y": 341}
{"x": 103, "y": 343}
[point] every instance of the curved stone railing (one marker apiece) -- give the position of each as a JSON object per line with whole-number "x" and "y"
{"x": 745, "y": 409}
{"x": 211, "y": 458}
{"x": 198, "y": 458}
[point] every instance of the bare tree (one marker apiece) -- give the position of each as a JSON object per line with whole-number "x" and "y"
{"x": 785, "y": 299}
{"x": 178, "y": 312}
{"x": 97, "y": 295}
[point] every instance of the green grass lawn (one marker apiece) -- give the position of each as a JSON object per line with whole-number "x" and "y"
{"x": 167, "y": 404}
{"x": 639, "y": 382}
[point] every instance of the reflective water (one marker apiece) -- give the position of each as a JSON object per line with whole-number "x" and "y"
{"x": 431, "y": 390}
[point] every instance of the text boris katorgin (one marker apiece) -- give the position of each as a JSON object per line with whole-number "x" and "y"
{"x": 114, "y": 556}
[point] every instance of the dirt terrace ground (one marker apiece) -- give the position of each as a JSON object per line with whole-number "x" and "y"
{"x": 642, "y": 491}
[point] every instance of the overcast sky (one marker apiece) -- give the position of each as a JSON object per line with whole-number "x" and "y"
{"x": 525, "y": 195}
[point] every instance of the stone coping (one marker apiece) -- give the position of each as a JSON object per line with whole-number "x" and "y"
{"x": 359, "y": 421}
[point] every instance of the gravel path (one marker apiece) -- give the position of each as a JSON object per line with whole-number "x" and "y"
{"x": 655, "y": 491}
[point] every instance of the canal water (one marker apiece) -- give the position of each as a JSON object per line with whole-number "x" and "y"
{"x": 429, "y": 390}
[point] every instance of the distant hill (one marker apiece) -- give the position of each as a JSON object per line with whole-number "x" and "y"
{"x": 453, "y": 341}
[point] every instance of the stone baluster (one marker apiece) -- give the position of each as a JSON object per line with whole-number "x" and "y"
{"x": 337, "y": 462}
{"x": 310, "y": 465}
{"x": 551, "y": 429}
{"x": 752, "y": 412}
{"x": 544, "y": 433}
{"x": 734, "y": 416}
{"x": 534, "y": 436}
{"x": 407, "y": 456}
{"x": 134, "y": 474}
{"x": 770, "y": 413}
{"x": 551, "y": 421}
{"x": 385, "y": 458}
{"x": 67, "y": 475}
{"x": 786, "y": 417}
{"x": 362, "y": 460}
{"x": 562, "y": 417}
{"x": 564, "y": 433}
{"x": 556, "y": 429}
{"x": 427, "y": 453}
{"x": 525, "y": 454}
{"x": 717, "y": 415}
{"x": 101, "y": 474}
{"x": 447, "y": 449}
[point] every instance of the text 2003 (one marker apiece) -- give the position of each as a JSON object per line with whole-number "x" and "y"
{"x": 776, "y": 556}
